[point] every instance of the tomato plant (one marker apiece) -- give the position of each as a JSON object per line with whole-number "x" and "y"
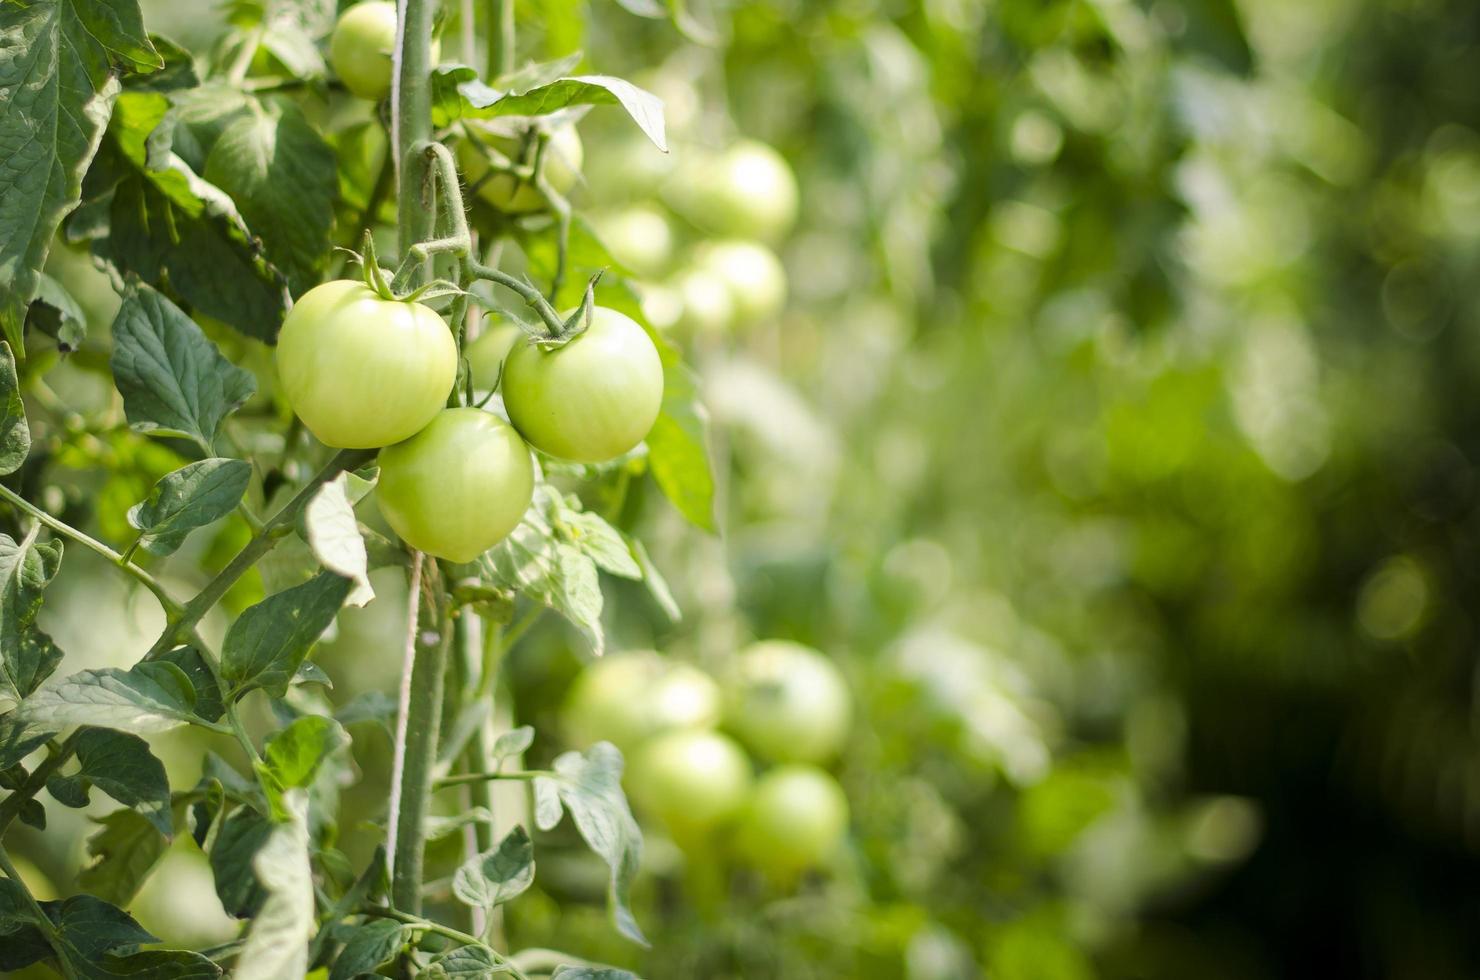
{"x": 363, "y": 371}
{"x": 592, "y": 399}
{"x": 559, "y": 162}
{"x": 457, "y": 487}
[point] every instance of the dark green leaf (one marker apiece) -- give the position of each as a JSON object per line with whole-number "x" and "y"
{"x": 241, "y": 836}
{"x": 266, "y": 644}
{"x": 371, "y": 944}
{"x": 193, "y": 496}
{"x": 26, "y": 568}
{"x": 15, "y": 434}
{"x": 122, "y": 766}
{"x": 57, "y": 314}
{"x": 57, "y": 85}
{"x": 125, "y": 850}
{"x": 151, "y": 697}
{"x": 20, "y": 737}
{"x": 208, "y": 703}
{"x": 277, "y": 941}
{"x": 490, "y": 879}
{"x": 93, "y": 934}
{"x": 282, "y": 176}
{"x": 173, "y": 379}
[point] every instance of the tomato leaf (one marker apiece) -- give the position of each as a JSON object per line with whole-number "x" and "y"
{"x": 268, "y": 642}
{"x": 193, "y": 496}
{"x": 458, "y": 93}
{"x": 125, "y": 850}
{"x": 283, "y": 178}
{"x": 150, "y": 697}
{"x": 174, "y": 381}
{"x": 371, "y": 944}
{"x": 589, "y": 785}
{"x": 334, "y": 536}
{"x": 57, "y": 314}
{"x": 241, "y": 836}
{"x": 122, "y": 766}
{"x": 464, "y": 963}
{"x": 492, "y": 878}
{"x": 591, "y": 973}
{"x": 27, "y": 656}
{"x": 294, "y": 754}
{"x": 58, "y": 80}
{"x": 277, "y": 941}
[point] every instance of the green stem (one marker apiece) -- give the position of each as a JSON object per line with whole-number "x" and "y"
{"x": 42, "y": 920}
{"x": 171, "y": 607}
{"x": 500, "y": 38}
{"x": 11, "y": 807}
{"x": 411, "y": 121}
{"x": 423, "y": 725}
{"x": 482, "y": 777}
{"x": 276, "y": 526}
{"x": 480, "y": 749}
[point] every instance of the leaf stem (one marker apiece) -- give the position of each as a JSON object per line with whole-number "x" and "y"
{"x": 500, "y": 38}
{"x": 42, "y": 920}
{"x": 171, "y": 607}
{"x": 525, "y": 775}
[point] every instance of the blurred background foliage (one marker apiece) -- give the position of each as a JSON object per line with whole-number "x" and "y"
{"x": 1118, "y": 441}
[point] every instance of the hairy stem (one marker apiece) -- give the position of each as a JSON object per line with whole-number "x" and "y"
{"x": 411, "y": 119}
{"x": 403, "y": 707}
{"x": 423, "y": 726}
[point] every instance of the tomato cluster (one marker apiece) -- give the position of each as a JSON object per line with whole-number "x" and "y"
{"x": 787, "y": 703}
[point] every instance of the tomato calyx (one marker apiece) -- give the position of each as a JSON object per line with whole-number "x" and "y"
{"x": 386, "y": 289}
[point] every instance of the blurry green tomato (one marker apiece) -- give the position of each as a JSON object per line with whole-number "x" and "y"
{"x": 457, "y": 487}
{"x": 562, "y": 165}
{"x": 625, "y": 698}
{"x": 631, "y": 167}
{"x": 661, "y": 305}
{"x": 361, "y": 45}
{"x": 704, "y": 302}
{"x": 637, "y": 237}
{"x": 753, "y": 275}
{"x": 747, "y": 192}
{"x": 486, "y": 354}
{"x": 789, "y": 703}
{"x": 591, "y": 400}
{"x": 691, "y": 780}
{"x": 795, "y": 819}
{"x": 361, "y": 371}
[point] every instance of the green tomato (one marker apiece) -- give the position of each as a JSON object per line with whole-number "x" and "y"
{"x": 457, "y": 487}
{"x": 747, "y": 192}
{"x": 562, "y": 165}
{"x": 637, "y": 237}
{"x": 704, "y": 302}
{"x": 632, "y": 167}
{"x": 486, "y": 354}
{"x": 789, "y": 702}
{"x": 361, "y": 45}
{"x": 691, "y": 780}
{"x": 591, "y": 400}
{"x": 795, "y": 820}
{"x": 752, "y": 273}
{"x": 624, "y": 698}
{"x": 361, "y": 371}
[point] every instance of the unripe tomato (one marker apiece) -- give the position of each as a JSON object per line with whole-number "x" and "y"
{"x": 361, "y": 371}
{"x": 747, "y": 192}
{"x": 562, "y": 166}
{"x": 704, "y": 299}
{"x": 753, "y": 275}
{"x": 692, "y": 780}
{"x": 457, "y": 487}
{"x": 631, "y": 167}
{"x": 637, "y": 237}
{"x": 486, "y": 354}
{"x": 591, "y": 400}
{"x": 789, "y": 702}
{"x": 794, "y": 820}
{"x": 625, "y": 698}
{"x": 361, "y": 45}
